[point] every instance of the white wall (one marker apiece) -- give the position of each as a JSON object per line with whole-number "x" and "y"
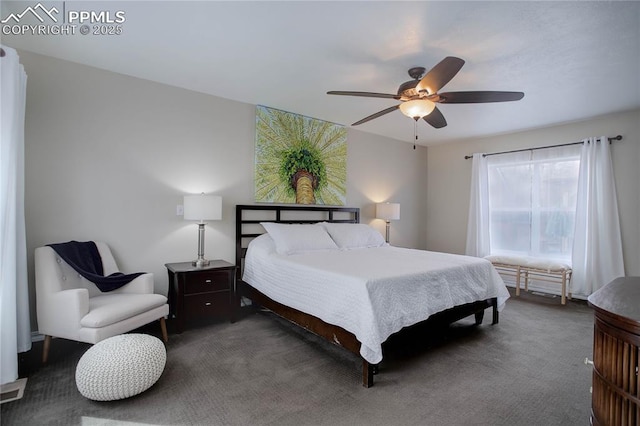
{"x": 449, "y": 177}
{"x": 108, "y": 157}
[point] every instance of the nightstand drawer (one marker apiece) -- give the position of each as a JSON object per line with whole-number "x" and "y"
{"x": 207, "y": 305}
{"x": 206, "y": 281}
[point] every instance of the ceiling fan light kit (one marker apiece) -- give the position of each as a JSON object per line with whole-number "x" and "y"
{"x": 417, "y": 108}
{"x": 419, "y": 96}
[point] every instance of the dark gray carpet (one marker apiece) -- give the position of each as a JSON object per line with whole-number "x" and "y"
{"x": 528, "y": 370}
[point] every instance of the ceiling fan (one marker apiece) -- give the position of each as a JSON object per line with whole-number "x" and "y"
{"x": 420, "y": 95}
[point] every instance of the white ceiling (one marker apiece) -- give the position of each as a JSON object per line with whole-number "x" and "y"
{"x": 573, "y": 60}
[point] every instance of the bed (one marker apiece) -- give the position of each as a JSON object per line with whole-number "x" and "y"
{"x": 352, "y": 296}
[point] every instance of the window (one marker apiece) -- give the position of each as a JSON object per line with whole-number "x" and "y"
{"x": 532, "y": 202}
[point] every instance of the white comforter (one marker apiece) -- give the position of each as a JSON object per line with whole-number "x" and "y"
{"x": 371, "y": 292}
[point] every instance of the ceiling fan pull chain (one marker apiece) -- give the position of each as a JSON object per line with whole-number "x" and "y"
{"x": 415, "y": 132}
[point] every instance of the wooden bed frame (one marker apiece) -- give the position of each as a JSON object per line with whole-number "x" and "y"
{"x": 248, "y": 218}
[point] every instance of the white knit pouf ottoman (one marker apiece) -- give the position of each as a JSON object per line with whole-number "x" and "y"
{"x": 120, "y": 367}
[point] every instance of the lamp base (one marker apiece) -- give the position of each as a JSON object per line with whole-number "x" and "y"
{"x": 200, "y": 263}
{"x": 387, "y": 234}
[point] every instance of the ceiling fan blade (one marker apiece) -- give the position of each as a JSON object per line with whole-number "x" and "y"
{"x": 440, "y": 75}
{"x": 376, "y": 115}
{"x": 435, "y": 119}
{"x": 478, "y": 97}
{"x": 365, "y": 94}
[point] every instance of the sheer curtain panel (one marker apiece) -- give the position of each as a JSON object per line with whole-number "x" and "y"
{"x": 478, "y": 222}
{"x": 14, "y": 299}
{"x": 597, "y": 244}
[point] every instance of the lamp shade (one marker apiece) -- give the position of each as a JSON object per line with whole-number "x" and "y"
{"x": 202, "y": 207}
{"x": 388, "y": 211}
{"x": 417, "y": 108}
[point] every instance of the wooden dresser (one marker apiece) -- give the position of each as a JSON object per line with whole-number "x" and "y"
{"x": 616, "y": 342}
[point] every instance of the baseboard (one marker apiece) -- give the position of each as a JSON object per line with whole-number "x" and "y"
{"x": 542, "y": 288}
{"x": 95, "y": 421}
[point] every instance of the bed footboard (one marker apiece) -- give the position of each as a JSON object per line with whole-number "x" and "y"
{"x": 492, "y": 303}
{"x": 343, "y": 338}
{"x": 475, "y": 308}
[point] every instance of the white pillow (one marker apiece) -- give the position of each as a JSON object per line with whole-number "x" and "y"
{"x": 354, "y": 235}
{"x": 295, "y": 238}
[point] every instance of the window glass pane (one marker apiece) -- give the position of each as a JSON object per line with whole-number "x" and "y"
{"x": 510, "y": 208}
{"x": 532, "y": 206}
{"x": 556, "y": 210}
{"x": 510, "y": 186}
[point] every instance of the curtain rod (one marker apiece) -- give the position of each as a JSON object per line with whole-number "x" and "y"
{"x": 615, "y": 138}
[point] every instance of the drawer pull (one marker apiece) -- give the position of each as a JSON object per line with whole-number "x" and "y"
{"x": 207, "y": 281}
{"x": 207, "y": 304}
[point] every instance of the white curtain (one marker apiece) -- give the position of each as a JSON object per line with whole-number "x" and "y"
{"x": 15, "y": 326}
{"x": 478, "y": 222}
{"x": 597, "y": 244}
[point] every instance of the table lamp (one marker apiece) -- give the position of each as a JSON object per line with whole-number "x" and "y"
{"x": 388, "y": 212}
{"x": 202, "y": 208}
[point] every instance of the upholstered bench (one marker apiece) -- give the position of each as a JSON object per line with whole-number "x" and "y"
{"x": 534, "y": 269}
{"x": 120, "y": 367}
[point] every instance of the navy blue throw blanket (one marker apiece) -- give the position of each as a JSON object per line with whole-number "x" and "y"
{"x": 85, "y": 259}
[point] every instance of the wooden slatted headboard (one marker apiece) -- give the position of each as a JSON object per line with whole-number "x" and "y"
{"x": 248, "y": 218}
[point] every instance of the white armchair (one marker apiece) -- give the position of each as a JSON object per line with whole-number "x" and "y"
{"x": 71, "y": 307}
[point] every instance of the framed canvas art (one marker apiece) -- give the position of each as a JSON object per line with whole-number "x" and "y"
{"x": 299, "y": 159}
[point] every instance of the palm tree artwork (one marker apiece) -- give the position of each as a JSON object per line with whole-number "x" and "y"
{"x": 299, "y": 159}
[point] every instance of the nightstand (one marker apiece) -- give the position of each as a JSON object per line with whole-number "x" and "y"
{"x": 196, "y": 293}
